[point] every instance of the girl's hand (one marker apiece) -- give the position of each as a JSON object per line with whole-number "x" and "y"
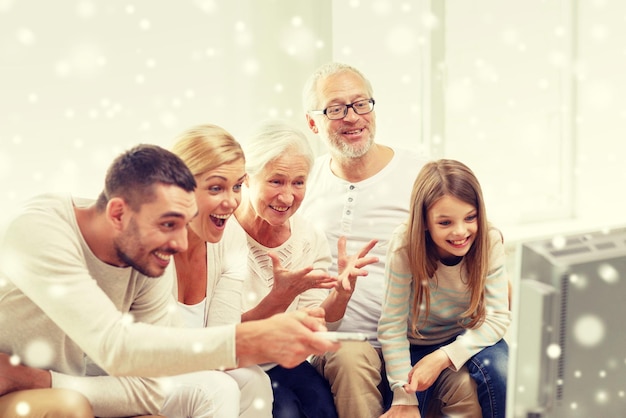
{"x": 402, "y": 411}
{"x": 351, "y": 267}
{"x": 427, "y": 370}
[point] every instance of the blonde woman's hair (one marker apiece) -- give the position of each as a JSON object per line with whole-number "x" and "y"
{"x": 435, "y": 180}
{"x": 206, "y": 147}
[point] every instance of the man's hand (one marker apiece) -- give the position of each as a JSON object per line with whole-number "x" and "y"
{"x": 286, "y": 338}
{"x": 351, "y": 267}
{"x": 402, "y": 411}
{"x": 15, "y": 376}
{"x": 427, "y": 370}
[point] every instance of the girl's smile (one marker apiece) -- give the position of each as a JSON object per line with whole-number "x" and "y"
{"x": 453, "y": 225}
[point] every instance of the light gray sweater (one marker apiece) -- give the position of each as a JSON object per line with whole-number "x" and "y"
{"x": 63, "y": 309}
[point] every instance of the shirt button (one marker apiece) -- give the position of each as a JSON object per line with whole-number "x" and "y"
{"x": 352, "y": 187}
{"x": 348, "y": 212}
{"x": 350, "y": 199}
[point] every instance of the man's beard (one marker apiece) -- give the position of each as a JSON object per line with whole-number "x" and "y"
{"x": 130, "y": 239}
{"x": 127, "y": 260}
{"x": 348, "y": 150}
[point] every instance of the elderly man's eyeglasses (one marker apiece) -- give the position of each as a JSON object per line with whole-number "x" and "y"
{"x": 360, "y": 107}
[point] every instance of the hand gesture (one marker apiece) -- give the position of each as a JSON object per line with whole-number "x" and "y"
{"x": 290, "y": 283}
{"x": 351, "y": 267}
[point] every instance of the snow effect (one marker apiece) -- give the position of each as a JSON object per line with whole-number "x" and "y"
{"x": 83, "y": 80}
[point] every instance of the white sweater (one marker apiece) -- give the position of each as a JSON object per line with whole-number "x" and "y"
{"x": 65, "y": 310}
{"x": 306, "y": 246}
{"x": 369, "y": 209}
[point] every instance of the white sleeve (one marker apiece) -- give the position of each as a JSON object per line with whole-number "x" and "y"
{"x": 114, "y": 396}
{"x": 227, "y": 264}
{"x": 394, "y": 319}
{"x": 43, "y": 258}
{"x": 320, "y": 258}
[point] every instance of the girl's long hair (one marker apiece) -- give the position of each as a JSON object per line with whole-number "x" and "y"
{"x": 435, "y": 180}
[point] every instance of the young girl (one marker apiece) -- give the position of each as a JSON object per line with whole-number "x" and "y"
{"x": 446, "y": 296}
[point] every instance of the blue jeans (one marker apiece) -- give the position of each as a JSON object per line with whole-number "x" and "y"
{"x": 301, "y": 392}
{"x": 488, "y": 368}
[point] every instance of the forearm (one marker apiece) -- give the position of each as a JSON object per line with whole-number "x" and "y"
{"x": 393, "y": 335}
{"x": 439, "y": 361}
{"x": 335, "y": 305}
{"x": 403, "y": 411}
{"x": 14, "y": 377}
{"x": 270, "y": 305}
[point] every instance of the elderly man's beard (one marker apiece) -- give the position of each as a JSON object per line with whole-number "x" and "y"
{"x": 348, "y": 150}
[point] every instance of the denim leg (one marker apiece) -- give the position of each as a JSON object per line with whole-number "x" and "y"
{"x": 383, "y": 387}
{"x": 286, "y": 403}
{"x": 417, "y": 353}
{"x": 489, "y": 369}
{"x": 302, "y": 388}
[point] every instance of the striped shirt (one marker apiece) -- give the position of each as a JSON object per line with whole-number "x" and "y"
{"x": 449, "y": 298}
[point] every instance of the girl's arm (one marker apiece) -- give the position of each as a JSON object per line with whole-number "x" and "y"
{"x": 392, "y": 326}
{"x": 498, "y": 316}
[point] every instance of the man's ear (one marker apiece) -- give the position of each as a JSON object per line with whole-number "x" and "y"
{"x": 115, "y": 212}
{"x": 311, "y": 123}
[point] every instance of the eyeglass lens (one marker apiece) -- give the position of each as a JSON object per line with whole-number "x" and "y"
{"x": 360, "y": 107}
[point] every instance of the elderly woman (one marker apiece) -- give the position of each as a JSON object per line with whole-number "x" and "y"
{"x": 289, "y": 258}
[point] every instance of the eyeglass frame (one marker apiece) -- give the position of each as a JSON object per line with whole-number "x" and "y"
{"x": 345, "y": 109}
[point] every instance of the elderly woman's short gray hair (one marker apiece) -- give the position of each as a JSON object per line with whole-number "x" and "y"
{"x": 270, "y": 140}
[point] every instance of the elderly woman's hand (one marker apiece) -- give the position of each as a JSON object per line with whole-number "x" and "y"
{"x": 290, "y": 283}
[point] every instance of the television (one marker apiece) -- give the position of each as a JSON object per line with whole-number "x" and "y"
{"x": 568, "y": 357}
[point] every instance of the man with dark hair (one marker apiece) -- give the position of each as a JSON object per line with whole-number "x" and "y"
{"x": 134, "y": 174}
{"x": 79, "y": 294}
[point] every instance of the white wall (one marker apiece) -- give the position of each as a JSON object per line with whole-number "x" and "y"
{"x": 82, "y": 80}
{"x": 529, "y": 94}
